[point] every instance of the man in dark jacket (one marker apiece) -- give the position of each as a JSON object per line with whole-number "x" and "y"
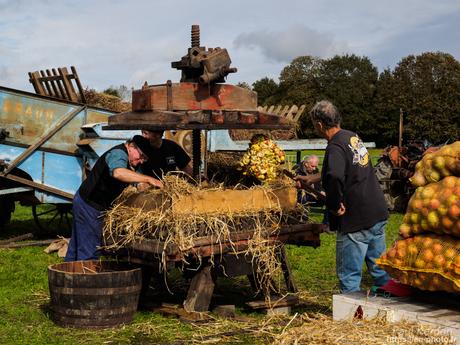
{"x": 165, "y": 156}
{"x": 113, "y": 171}
{"x": 305, "y": 171}
{"x": 354, "y": 199}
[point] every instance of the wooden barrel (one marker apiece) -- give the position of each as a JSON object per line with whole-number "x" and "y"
{"x": 93, "y": 294}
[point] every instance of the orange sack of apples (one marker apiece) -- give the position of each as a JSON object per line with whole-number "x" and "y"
{"x": 437, "y": 165}
{"x": 434, "y": 208}
{"x": 428, "y": 262}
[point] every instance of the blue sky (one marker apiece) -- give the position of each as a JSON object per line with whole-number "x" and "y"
{"x": 128, "y": 42}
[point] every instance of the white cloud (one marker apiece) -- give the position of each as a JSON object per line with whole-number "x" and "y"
{"x": 284, "y": 46}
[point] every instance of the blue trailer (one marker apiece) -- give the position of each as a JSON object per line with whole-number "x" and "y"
{"x": 47, "y": 146}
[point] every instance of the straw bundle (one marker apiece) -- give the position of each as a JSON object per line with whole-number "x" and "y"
{"x": 320, "y": 329}
{"x": 106, "y": 101}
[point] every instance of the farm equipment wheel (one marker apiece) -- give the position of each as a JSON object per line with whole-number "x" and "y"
{"x": 6, "y": 209}
{"x": 53, "y": 218}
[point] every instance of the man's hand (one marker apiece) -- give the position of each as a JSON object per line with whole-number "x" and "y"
{"x": 340, "y": 211}
{"x": 305, "y": 179}
{"x": 141, "y": 186}
{"x": 155, "y": 182}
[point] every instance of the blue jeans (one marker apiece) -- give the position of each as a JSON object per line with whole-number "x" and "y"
{"x": 352, "y": 249}
{"x": 86, "y": 231}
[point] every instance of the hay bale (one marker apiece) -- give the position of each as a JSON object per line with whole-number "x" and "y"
{"x": 103, "y": 100}
{"x": 277, "y": 134}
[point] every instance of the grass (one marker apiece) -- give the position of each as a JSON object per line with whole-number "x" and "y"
{"x": 291, "y": 155}
{"x": 24, "y": 296}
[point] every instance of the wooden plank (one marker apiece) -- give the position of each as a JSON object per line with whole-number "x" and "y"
{"x": 17, "y": 238}
{"x": 53, "y": 85}
{"x": 26, "y": 244}
{"x": 79, "y": 86}
{"x": 262, "y": 108}
{"x": 299, "y": 112}
{"x": 290, "y": 114}
{"x": 284, "y": 111}
{"x": 235, "y": 201}
{"x": 219, "y": 201}
{"x": 286, "y": 268}
{"x": 194, "y": 96}
{"x": 34, "y": 80}
{"x": 39, "y": 186}
{"x": 275, "y": 302}
{"x": 59, "y": 84}
{"x": 71, "y": 95}
{"x": 44, "y": 82}
{"x": 200, "y": 291}
{"x": 277, "y": 110}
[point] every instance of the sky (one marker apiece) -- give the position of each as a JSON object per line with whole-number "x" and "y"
{"x": 122, "y": 42}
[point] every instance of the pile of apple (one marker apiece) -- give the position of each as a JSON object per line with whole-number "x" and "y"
{"x": 262, "y": 159}
{"x": 437, "y": 165}
{"x": 434, "y": 208}
{"x": 428, "y": 262}
{"x": 428, "y": 255}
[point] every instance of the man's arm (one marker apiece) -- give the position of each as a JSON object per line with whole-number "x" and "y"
{"x": 188, "y": 170}
{"x": 129, "y": 176}
{"x": 335, "y": 179}
{"x": 309, "y": 179}
{"x": 118, "y": 161}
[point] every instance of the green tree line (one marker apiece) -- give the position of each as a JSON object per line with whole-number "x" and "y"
{"x": 425, "y": 87}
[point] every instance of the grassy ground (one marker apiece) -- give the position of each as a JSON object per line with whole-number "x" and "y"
{"x": 291, "y": 155}
{"x": 24, "y": 296}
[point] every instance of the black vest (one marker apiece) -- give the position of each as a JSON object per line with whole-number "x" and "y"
{"x": 100, "y": 189}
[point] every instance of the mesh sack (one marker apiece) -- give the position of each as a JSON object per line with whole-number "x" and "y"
{"x": 428, "y": 262}
{"x": 434, "y": 208}
{"x": 437, "y": 165}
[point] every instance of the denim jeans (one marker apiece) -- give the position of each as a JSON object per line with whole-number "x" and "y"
{"x": 352, "y": 249}
{"x": 86, "y": 231}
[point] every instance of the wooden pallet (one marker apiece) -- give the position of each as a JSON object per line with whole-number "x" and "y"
{"x": 58, "y": 84}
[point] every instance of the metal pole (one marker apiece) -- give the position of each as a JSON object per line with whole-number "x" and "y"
{"x": 400, "y": 136}
{"x": 196, "y": 149}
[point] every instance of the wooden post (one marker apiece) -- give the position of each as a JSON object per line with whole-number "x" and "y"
{"x": 200, "y": 291}
{"x": 400, "y": 135}
{"x": 290, "y": 285}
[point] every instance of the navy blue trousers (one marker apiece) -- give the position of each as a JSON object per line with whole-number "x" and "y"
{"x": 86, "y": 231}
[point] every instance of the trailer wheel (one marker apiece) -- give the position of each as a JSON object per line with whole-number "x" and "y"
{"x": 6, "y": 209}
{"x": 53, "y": 218}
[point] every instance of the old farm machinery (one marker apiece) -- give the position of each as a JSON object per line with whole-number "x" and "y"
{"x": 201, "y": 102}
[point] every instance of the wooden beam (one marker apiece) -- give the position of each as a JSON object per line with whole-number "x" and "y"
{"x": 39, "y": 186}
{"x": 200, "y": 291}
{"x": 70, "y": 91}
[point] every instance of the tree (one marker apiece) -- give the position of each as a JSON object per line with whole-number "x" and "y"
{"x": 244, "y": 85}
{"x": 429, "y": 93}
{"x": 266, "y": 89}
{"x": 386, "y": 110}
{"x": 299, "y": 85}
{"x": 121, "y": 92}
{"x": 349, "y": 81}
{"x": 298, "y": 80}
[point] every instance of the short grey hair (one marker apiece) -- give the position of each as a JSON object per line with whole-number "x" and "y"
{"x": 309, "y": 158}
{"x": 326, "y": 113}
